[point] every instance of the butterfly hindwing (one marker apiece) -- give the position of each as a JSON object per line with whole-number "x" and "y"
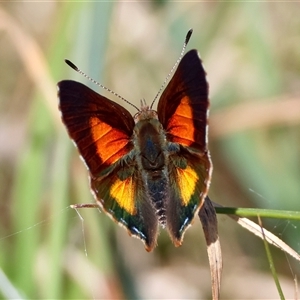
{"x": 182, "y": 110}
{"x": 121, "y": 195}
{"x": 189, "y": 177}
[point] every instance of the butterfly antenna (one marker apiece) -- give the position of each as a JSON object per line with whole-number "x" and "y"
{"x": 187, "y": 38}
{"x": 97, "y": 83}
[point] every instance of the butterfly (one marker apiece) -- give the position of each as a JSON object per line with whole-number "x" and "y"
{"x": 152, "y": 168}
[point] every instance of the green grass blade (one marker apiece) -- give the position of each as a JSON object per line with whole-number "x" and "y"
{"x": 271, "y": 263}
{"x": 254, "y": 212}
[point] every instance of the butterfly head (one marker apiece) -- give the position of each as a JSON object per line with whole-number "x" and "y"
{"x": 145, "y": 113}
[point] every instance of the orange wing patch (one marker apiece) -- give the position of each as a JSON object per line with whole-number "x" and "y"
{"x": 187, "y": 179}
{"x": 123, "y": 192}
{"x": 110, "y": 142}
{"x": 181, "y": 124}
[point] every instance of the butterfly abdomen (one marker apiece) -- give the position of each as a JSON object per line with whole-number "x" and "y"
{"x": 151, "y": 144}
{"x": 157, "y": 190}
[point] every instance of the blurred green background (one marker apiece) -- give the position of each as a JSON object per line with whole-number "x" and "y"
{"x": 251, "y": 52}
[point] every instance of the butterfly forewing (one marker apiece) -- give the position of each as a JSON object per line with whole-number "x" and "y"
{"x": 183, "y": 106}
{"x": 100, "y": 128}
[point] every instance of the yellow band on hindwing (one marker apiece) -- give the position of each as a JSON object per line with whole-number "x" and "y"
{"x": 123, "y": 192}
{"x": 187, "y": 179}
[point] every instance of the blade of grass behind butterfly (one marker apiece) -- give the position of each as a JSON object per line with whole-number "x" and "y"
{"x": 270, "y": 260}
